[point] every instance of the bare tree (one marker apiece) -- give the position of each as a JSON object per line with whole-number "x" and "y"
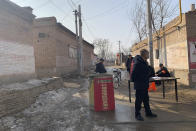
{"x": 126, "y": 51}
{"x": 102, "y": 48}
{"x": 111, "y": 56}
{"x": 139, "y": 20}
{"x": 162, "y": 12}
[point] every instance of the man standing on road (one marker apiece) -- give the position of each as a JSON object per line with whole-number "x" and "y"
{"x": 100, "y": 67}
{"x": 128, "y": 63}
{"x": 140, "y": 76}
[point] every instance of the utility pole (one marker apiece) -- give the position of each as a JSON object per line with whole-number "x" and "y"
{"x": 80, "y": 40}
{"x": 78, "y": 49}
{"x": 119, "y": 42}
{"x": 150, "y": 40}
{"x": 76, "y": 23}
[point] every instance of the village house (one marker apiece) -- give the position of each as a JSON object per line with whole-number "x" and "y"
{"x": 176, "y": 48}
{"x": 31, "y": 48}
{"x": 56, "y": 48}
{"x": 17, "y": 61}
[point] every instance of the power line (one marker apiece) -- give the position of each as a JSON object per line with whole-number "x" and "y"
{"x": 60, "y": 9}
{"x": 68, "y": 1}
{"x": 90, "y": 32}
{"x": 79, "y": 1}
{"x": 23, "y": 1}
{"x": 42, "y": 5}
{"x": 57, "y": 7}
{"x": 106, "y": 12}
{"x": 74, "y": 4}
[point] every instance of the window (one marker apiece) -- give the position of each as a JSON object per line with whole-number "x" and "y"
{"x": 72, "y": 52}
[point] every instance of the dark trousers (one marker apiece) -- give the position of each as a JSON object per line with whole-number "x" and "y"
{"x": 128, "y": 70}
{"x": 142, "y": 96}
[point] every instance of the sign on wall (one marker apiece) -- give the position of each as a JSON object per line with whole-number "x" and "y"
{"x": 16, "y": 58}
{"x": 192, "y": 53}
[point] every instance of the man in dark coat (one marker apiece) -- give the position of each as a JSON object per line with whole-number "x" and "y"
{"x": 140, "y": 76}
{"x": 163, "y": 72}
{"x": 100, "y": 67}
{"x": 128, "y": 63}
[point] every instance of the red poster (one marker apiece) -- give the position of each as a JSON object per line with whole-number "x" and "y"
{"x": 104, "y": 94}
{"x": 192, "y": 53}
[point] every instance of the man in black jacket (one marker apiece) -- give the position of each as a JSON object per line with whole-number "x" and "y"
{"x": 140, "y": 76}
{"x": 128, "y": 63}
{"x": 100, "y": 67}
{"x": 163, "y": 72}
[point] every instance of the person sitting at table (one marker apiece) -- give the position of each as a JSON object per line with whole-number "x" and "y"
{"x": 162, "y": 72}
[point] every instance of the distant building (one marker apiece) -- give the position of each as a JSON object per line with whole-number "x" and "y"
{"x": 120, "y": 58}
{"x": 176, "y": 48}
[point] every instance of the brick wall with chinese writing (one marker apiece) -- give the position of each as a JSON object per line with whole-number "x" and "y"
{"x": 16, "y": 43}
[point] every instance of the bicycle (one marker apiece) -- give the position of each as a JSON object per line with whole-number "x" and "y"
{"x": 116, "y": 78}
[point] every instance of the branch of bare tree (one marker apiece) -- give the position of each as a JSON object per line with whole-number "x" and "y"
{"x": 162, "y": 12}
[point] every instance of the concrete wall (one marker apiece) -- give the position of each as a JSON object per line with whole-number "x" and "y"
{"x": 172, "y": 48}
{"x": 16, "y": 42}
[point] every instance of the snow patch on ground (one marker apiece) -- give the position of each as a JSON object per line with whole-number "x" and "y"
{"x": 47, "y": 101}
{"x": 71, "y": 85}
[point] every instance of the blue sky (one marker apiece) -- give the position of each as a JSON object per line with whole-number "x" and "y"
{"x": 102, "y": 18}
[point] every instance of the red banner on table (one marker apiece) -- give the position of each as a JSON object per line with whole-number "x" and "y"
{"x": 104, "y": 94}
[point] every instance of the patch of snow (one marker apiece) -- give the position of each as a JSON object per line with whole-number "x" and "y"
{"x": 71, "y": 85}
{"x": 47, "y": 101}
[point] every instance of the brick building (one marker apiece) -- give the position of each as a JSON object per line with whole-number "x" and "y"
{"x": 32, "y": 47}
{"x": 16, "y": 42}
{"x": 56, "y": 48}
{"x": 175, "y": 48}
